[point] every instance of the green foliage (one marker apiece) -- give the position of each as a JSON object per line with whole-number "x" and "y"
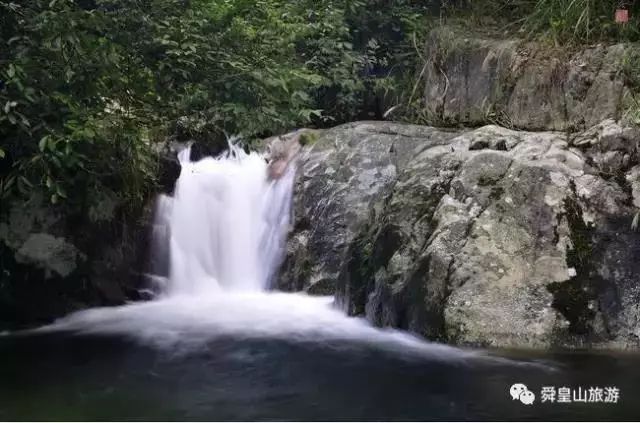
{"x": 88, "y": 88}
{"x": 579, "y": 20}
{"x": 72, "y": 118}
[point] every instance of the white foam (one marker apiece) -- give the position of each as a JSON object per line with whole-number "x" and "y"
{"x": 185, "y": 322}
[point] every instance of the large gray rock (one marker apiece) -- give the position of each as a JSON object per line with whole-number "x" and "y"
{"x": 474, "y": 80}
{"x": 485, "y": 237}
{"x": 341, "y": 176}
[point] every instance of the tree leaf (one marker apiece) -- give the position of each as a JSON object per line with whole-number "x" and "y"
{"x": 43, "y": 142}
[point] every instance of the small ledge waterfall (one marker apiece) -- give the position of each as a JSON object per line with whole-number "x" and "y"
{"x": 227, "y": 224}
{"x": 223, "y": 234}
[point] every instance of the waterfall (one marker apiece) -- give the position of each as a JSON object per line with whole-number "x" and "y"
{"x": 227, "y": 224}
{"x": 223, "y": 234}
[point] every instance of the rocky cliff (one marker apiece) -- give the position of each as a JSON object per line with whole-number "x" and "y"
{"x": 487, "y": 237}
{"x": 473, "y": 79}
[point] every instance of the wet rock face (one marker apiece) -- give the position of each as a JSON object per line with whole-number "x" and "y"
{"x": 484, "y": 237}
{"x": 474, "y": 80}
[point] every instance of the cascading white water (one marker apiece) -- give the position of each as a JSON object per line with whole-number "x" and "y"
{"x": 226, "y": 229}
{"x": 227, "y": 224}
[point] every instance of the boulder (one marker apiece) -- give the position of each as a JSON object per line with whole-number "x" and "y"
{"x": 490, "y": 237}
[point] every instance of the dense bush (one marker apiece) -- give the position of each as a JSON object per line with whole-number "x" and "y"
{"x": 88, "y": 87}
